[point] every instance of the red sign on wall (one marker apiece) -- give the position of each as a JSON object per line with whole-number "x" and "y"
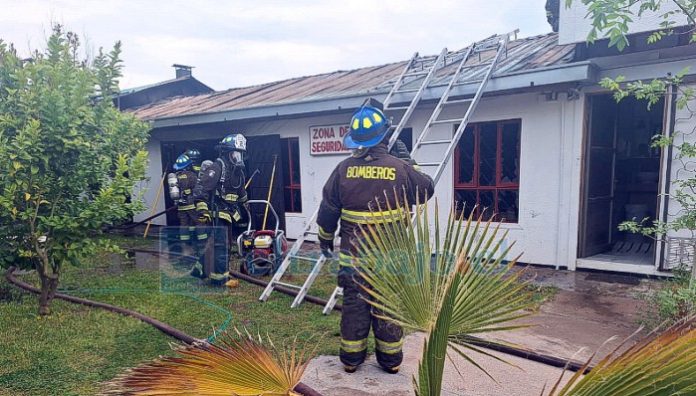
{"x": 328, "y": 139}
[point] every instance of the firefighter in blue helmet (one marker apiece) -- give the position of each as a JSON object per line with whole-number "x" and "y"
{"x": 221, "y": 183}
{"x": 356, "y": 188}
{"x": 192, "y": 232}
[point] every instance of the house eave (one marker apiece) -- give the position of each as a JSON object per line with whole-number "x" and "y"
{"x": 579, "y": 72}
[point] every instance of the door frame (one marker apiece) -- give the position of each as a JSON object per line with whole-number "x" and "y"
{"x": 664, "y": 181}
{"x": 585, "y": 174}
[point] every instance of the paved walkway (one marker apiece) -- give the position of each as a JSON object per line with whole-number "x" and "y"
{"x": 588, "y": 309}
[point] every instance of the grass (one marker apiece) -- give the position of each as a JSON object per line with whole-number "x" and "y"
{"x": 76, "y": 348}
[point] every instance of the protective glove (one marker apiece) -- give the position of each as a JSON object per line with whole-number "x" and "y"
{"x": 327, "y": 247}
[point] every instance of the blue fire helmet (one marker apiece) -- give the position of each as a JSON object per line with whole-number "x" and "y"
{"x": 182, "y": 162}
{"x": 368, "y": 127}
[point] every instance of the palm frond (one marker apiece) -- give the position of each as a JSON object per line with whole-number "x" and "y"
{"x": 238, "y": 364}
{"x": 662, "y": 364}
{"x": 455, "y": 284}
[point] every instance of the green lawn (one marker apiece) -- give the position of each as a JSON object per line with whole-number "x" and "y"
{"x": 76, "y": 348}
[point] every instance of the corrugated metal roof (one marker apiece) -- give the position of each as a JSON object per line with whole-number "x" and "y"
{"x": 522, "y": 55}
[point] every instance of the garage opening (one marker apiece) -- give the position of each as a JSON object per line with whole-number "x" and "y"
{"x": 621, "y": 181}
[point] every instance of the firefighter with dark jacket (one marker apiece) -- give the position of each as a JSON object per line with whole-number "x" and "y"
{"x": 203, "y": 219}
{"x": 192, "y": 230}
{"x": 356, "y": 188}
{"x": 221, "y": 185}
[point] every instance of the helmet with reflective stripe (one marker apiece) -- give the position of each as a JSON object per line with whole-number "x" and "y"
{"x": 194, "y": 154}
{"x": 233, "y": 142}
{"x": 368, "y": 127}
{"x": 182, "y": 162}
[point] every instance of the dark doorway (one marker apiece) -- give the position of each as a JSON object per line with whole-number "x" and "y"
{"x": 260, "y": 154}
{"x": 262, "y": 151}
{"x": 621, "y": 178}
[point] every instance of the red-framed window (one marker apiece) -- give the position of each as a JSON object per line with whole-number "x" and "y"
{"x": 292, "y": 189}
{"x": 487, "y": 169}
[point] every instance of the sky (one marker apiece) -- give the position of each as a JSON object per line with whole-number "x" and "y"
{"x": 235, "y": 43}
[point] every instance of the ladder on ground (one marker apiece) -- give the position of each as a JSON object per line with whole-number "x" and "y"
{"x": 417, "y": 68}
{"x": 435, "y": 168}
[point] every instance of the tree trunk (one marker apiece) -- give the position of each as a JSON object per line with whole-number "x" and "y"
{"x": 49, "y": 286}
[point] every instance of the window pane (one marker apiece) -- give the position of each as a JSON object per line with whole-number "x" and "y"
{"x": 288, "y": 199}
{"x": 285, "y": 157}
{"x": 295, "y": 155}
{"x": 296, "y": 200}
{"x": 487, "y": 202}
{"x": 510, "y": 153}
{"x": 488, "y": 142}
{"x": 465, "y": 199}
{"x": 508, "y": 205}
{"x": 293, "y": 200}
{"x": 466, "y": 146}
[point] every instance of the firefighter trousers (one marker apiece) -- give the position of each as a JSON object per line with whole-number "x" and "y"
{"x": 357, "y": 316}
{"x": 225, "y": 244}
{"x": 193, "y": 233}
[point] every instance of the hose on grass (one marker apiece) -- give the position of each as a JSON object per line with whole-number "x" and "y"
{"x": 218, "y": 329}
{"x": 300, "y": 388}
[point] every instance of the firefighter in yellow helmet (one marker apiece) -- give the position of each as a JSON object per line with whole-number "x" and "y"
{"x": 354, "y": 190}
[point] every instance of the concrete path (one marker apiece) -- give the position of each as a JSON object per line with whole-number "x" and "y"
{"x": 588, "y": 309}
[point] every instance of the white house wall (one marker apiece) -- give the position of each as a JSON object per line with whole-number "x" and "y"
{"x": 150, "y": 185}
{"x": 574, "y": 25}
{"x": 551, "y": 137}
{"x": 684, "y": 131}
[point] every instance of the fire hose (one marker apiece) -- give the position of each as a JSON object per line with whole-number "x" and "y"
{"x": 506, "y": 349}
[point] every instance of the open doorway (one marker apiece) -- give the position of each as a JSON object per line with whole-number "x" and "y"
{"x": 260, "y": 156}
{"x": 621, "y": 180}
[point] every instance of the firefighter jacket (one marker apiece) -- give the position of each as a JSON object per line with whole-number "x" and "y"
{"x": 226, "y": 183}
{"x": 186, "y": 181}
{"x": 361, "y": 191}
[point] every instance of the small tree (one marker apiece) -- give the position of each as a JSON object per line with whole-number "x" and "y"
{"x": 69, "y": 158}
{"x": 612, "y": 19}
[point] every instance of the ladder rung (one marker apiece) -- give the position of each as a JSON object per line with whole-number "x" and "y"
{"x": 304, "y": 258}
{"x": 288, "y": 285}
{"x": 414, "y": 74}
{"x": 457, "y": 101}
{"x": 448, "y": 121}
{"x": 407, "y": 90}
{"x": 311, "y": 233}
{"x": 396, "y": 108}
{"x": 441, "y": 141}
{"x": 429, "y": 163}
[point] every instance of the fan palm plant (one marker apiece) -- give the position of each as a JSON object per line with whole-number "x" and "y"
{"x": 664, "y": 363}
{"x": 237, "y": 364}
{"x": 449, "y": 286}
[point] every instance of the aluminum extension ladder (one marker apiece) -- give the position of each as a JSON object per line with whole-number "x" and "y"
{"x": 497, "y": 42}
{"x": 416, "y": 68}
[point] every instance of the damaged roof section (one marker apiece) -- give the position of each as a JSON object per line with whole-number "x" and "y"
{"x": 522, "y": 55}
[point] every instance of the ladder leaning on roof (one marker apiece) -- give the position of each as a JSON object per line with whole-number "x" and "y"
{"x": 435, "y": 168}
{"x": 416, "y": 68}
